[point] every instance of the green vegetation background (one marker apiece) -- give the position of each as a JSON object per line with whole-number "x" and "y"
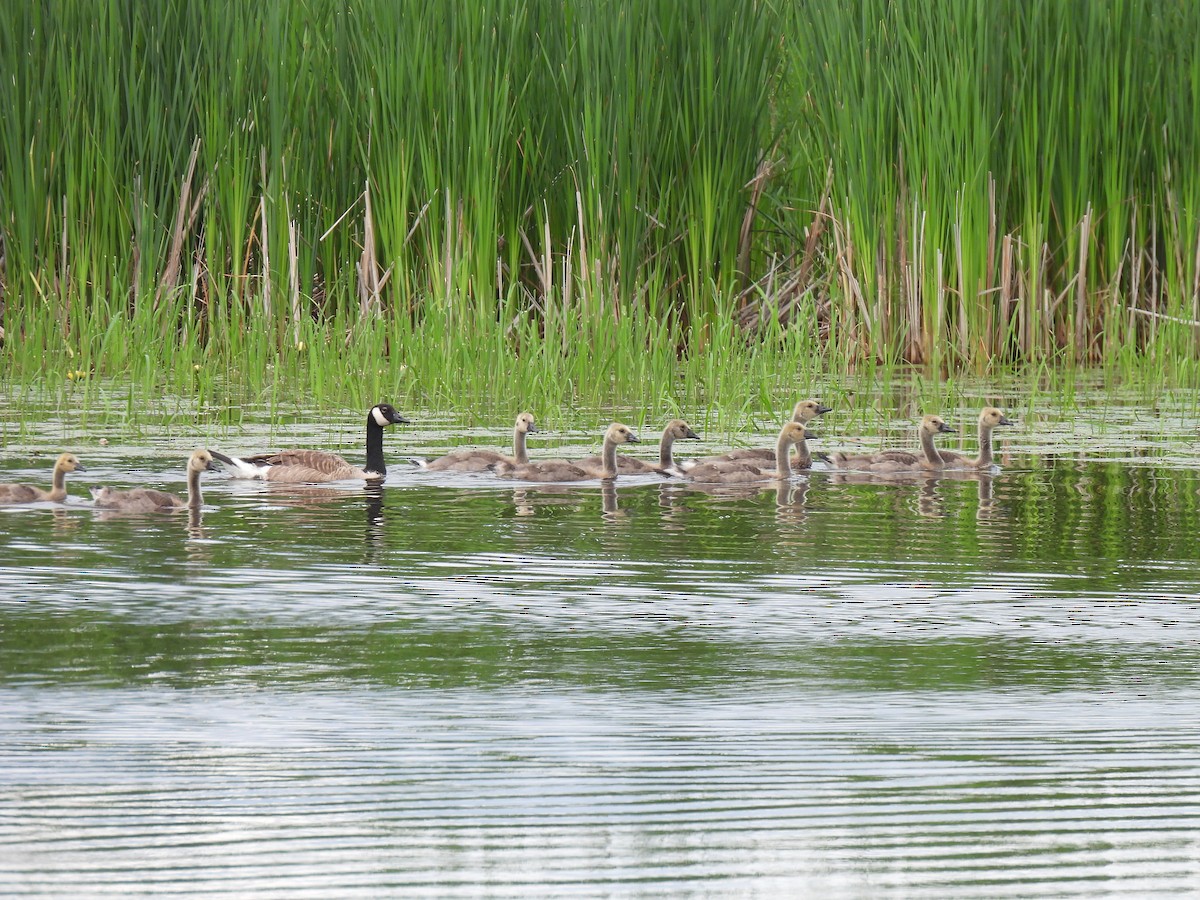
{"x": 541, "y": 202}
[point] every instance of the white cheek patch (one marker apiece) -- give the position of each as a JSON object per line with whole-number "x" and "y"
{"x": 380, "y": 419}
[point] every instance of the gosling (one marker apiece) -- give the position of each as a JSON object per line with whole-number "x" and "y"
{"x": 989, "y": 419}
{"x": 28, "y": 493}
{"x": 793, "y": 434}
{"x": 564, "y": 470}
{"x": 899, "y": 460}
{"x": 148, "y": 500}
{"x": 676, "y": 430}
{"x": 803, "y": 412}
{"x": 481, "y": 460}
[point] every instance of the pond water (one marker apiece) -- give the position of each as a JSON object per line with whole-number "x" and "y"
{"x": 458, "y": 686}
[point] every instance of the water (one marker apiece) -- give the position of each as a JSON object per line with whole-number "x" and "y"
{"x": 981, "y": 687}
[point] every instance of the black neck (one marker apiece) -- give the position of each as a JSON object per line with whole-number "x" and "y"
{"x": 375, "y": 446}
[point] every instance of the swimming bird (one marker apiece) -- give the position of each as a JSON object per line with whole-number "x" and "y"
{"x": 676, "y": 430}
{"x": 989, "y": 419}
{"x": 148, "y": 500}
{"x": 480, "y": 460}
{"x": 899, "y": 460}
{"x": 564, "y": 470}
{"x": 803, "y": 412}
{"x": 793, "y": 434}
{"x": 28, "y": 493}
{"x": 318, "y": 466}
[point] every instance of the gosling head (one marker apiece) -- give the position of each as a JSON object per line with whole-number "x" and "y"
{"x": 681, "y": 431}
{"x": 100, "y": 494}
{"x": 69, "y": 462}
{"x": 796, "y": 433}
{"x": 201, "y": 461}
{"x": 525, "y": 423}
{"x": 807, "y": 410}
{"x": 935, "y": 425}
{"x": 384, "y": 414}
{"x": 991, "y": 417}
{"x": 621, "y": 434}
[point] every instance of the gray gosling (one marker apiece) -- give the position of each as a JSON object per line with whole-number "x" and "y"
{"x": 564, "y": 470}
{"x": 28, "y": 493}
{"x": 148, "y": 500}
{"x": 989, "y": 419}
{"x": 899, "y": 460}
{"x": 318, "y": 466}
{"x": 676, "y": 430}
{"x": 793, "y": 434}
{"x": 480, "y": 460}
{"x": 803, "y": 412}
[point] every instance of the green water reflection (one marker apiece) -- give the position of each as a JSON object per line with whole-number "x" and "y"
{"x": 946, "y": 687}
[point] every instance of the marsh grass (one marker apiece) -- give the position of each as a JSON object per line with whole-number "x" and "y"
{"x": 528, "y": 202}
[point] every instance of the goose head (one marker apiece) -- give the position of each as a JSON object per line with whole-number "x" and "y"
{"x": 525, "y": 424}
{"x": 620, "y": 434}
{"x": 807, "y": 410}
{"x": 384, "y": 414}
{"x": 69, "y": 462}
{"x": 991, "y": 417}
{"x": 935, "y": 425}
{"x": 680, "y": 430}
{"x": 201, "y": 461}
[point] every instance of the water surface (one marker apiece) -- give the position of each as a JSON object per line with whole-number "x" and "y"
{"x": 458, "y": 686}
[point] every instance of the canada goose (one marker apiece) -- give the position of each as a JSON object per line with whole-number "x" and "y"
{"x": 803, "y": 412}
{"x": 479, "y": 460}
{"x": 676, "y": 430}
{"x": 28, "y": 493}
{"x": 988, "y": 420}
{"x": 146, "y": 500}
{"x": 898, "y": 460}
{"x": 318, "y": 466}
{"x": 793, "y": 434}
{"x": 563, "y": 470}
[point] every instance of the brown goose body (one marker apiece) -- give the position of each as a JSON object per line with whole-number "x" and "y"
{"x": 318, "y": 466}
{"x": 565, "y": 470}
{"x": 29, "y": 493}
{"x": 482, "y": 460}
{"x": 676, "y": 430}
{"x": 148, "y": 500}
{"x": 793, "y": 434}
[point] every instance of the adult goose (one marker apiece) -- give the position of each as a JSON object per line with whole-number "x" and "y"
{"x": 28, "y": 493}
{"x": 899, "y": 460}
{"x": 803, "y": 412}
{"x": 676, "y": 430}
{"x": 148, "y": 500}
{"x": 793, "y": 434}
{"x": 564, "y": 470}
{"x": 318, "y": 466}
{"x": 989, "y": 419}
{"x": 480, "y": 460}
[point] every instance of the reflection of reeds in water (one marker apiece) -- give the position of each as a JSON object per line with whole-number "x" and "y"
{"x": 929, "y": 500}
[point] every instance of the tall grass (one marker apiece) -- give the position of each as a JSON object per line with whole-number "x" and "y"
{"x": 1011, "y": 182}
{"x": 592, "y": 201}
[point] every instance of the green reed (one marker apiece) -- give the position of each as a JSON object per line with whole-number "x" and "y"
{"x": 532, "y": 202}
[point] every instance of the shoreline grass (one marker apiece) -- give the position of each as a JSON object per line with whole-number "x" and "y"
{"x": 592, "y": 202}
